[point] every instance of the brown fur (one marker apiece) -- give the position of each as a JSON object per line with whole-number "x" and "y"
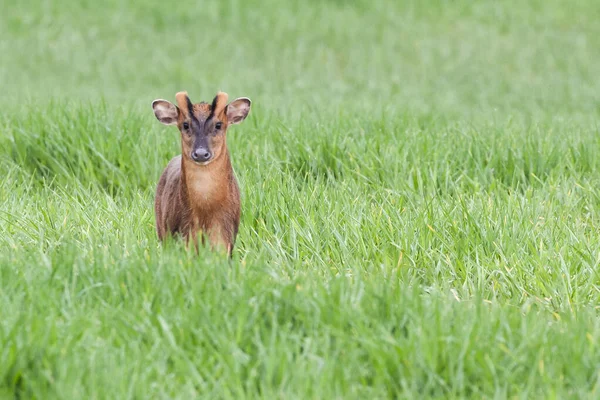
{"x": 198, "y": 201}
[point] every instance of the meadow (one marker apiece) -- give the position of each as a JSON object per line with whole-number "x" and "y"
{"x": 420, "y": 200}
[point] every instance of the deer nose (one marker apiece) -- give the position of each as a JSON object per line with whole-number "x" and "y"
{"x": 201, "y": 155}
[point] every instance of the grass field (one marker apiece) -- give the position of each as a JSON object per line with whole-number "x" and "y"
{"x": 421, "y": 200}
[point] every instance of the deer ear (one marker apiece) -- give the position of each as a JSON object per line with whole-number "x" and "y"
{"x": 165, "y": 111}
{"x": 238, "y": 110}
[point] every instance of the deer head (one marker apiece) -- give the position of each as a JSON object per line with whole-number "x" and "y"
{"x": 203, "y": 126}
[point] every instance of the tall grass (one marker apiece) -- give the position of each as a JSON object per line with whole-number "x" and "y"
{"x": 420, "y": 201}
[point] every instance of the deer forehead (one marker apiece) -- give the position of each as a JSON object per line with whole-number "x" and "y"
{"x": 202, "y": 110}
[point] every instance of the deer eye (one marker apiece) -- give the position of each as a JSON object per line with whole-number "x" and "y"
{"x": 186, "y": 126}
{"x": 218, "y": 125}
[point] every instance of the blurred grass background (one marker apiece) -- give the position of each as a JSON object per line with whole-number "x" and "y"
{"x": 434, "y": 56}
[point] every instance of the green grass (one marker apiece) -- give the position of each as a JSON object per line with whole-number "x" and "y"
{"x": 421, "y": 201}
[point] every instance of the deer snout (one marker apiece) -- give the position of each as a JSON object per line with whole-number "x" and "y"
{"x": 201, "y": 155}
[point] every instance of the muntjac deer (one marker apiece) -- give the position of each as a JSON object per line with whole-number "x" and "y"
{"x": 198, "y": 195}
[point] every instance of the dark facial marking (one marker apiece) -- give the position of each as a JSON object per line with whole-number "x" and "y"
{"x": 200, "y": 139}
{"x": 191, "y": 109}
{"x": 213, "y": 107}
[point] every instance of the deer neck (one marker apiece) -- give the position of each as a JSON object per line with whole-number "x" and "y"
{"x": 205, "y": 187}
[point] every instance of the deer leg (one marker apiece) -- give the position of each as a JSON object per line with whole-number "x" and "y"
{"x": 219, "y": 239}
